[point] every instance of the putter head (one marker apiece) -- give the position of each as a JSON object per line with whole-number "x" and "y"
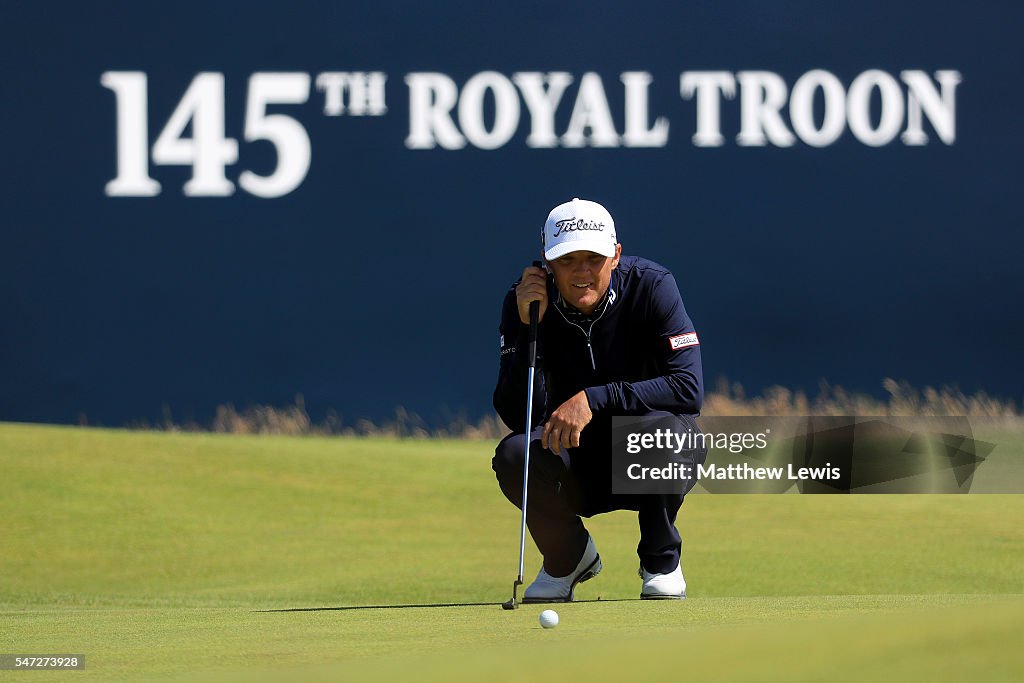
{"x": 511, "y": 603}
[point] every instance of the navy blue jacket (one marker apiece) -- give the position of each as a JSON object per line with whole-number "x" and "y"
{"x": 641, "y": 353}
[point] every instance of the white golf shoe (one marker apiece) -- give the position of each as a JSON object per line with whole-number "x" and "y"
{"x": 671, "y": 586}
{"x": 547, "y": 588}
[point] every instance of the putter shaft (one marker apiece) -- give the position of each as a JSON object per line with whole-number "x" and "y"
{"x": 532, "y": 358}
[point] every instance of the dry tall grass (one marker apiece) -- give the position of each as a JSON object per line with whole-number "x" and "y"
{"x": 903, "y": 401}
{"x": 725, "y": 400}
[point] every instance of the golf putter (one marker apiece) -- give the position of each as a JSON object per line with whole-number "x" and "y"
{"x": 532, "y": 359}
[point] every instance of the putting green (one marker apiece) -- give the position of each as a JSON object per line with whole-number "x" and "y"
{"x": 154, "y": 554}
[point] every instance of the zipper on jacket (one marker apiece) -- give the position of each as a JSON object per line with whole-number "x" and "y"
{"x": 586, "y": 333}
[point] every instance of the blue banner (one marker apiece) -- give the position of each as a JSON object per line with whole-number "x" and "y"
{"x": 242, "y": 202}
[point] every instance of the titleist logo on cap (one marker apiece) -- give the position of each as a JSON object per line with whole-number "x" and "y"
{"x": 574, "y": 224}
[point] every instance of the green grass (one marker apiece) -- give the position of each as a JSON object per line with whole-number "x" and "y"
{"x": 153, "y": 553}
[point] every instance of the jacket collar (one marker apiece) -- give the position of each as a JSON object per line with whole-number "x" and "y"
{"x": 574, "y": 315}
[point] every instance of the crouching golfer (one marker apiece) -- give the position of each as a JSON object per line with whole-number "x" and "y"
{"x": 613, "y": 339}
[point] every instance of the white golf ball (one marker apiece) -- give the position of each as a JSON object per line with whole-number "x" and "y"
{"x": 549, "y": 618}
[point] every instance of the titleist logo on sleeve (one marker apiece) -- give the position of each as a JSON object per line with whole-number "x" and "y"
{"x": 681, "y": 341}
{"x": 574, "y": 224}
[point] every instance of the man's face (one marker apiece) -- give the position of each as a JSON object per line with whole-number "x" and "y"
{"x": 582, "y": 277}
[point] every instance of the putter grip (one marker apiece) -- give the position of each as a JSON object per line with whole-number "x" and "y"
{"x": 534, "y": 316}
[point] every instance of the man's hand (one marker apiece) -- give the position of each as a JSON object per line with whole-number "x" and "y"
{"x": 566, "y": 424}
{"x": 533, "y": 287}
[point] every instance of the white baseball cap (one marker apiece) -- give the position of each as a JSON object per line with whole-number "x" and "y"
{"x": 579, "y": 225}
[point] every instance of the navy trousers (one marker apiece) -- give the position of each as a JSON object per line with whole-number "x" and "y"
{"x": 578, "y": 483}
